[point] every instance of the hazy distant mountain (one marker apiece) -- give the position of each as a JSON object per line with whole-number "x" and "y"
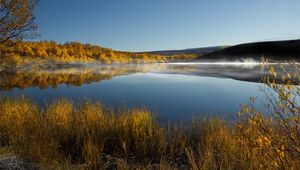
{"x": 197, "y": 51}
{"x": 273, "y": 50}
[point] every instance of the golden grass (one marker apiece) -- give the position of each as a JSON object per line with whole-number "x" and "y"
{"x": 90, "y": 136}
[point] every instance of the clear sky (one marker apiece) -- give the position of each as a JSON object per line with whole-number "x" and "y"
{"x": 143, "y": 25}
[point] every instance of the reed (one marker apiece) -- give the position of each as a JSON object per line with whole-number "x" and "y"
{"x": 91, "y": 136}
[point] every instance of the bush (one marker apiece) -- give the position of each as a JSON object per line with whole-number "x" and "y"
{"x": 91, "y": 136}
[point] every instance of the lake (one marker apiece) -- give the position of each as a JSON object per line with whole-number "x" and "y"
{"x": 174, "y": 91}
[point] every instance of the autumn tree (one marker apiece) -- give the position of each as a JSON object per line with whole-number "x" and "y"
{"x": 41, "y": 50}
{"x": 17, "y": 19}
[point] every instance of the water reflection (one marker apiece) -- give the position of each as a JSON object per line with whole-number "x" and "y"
{"x": 85, "y": 74}
{"x": 74, "y": 76}
{"x": 175, "y": 91}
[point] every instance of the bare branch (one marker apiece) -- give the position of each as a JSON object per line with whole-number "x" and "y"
{"x": 17, "y": 19}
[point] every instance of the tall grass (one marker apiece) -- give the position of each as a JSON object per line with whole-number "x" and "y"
{"x": 90, "y": 136}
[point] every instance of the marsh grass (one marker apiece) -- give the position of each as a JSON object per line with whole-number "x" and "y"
{"x": 64, "y": 135}
{"x": 90, "y": 136}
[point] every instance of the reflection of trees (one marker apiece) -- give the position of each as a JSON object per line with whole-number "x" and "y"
{"x": 76, "y": 76}
{"x": 44, "y": 80}
{"x": 70, "y": 76}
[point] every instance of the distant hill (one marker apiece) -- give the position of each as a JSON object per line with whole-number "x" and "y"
{"x": 273, "y": 50}
{"x": 197, "y": 51}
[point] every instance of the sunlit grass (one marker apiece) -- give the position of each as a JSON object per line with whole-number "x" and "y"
{"x": 92, "y": 136}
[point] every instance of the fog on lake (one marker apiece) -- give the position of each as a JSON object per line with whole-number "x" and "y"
{"x": 175, "y": 91}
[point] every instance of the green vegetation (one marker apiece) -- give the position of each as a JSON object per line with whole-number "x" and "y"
{"x": 20, "y": 52}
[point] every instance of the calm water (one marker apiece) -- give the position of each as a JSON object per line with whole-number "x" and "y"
{"x": 173, "y": 91}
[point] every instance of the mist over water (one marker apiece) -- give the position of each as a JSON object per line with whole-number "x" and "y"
{"x": 175, "y": 91}
{"x": 248, "y": 62}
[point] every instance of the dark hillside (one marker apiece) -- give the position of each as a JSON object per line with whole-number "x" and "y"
{"x": 273, "y": 50}
{"x": 197, "y": 51}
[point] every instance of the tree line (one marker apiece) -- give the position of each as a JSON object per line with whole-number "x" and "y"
{"x": 73, "y": 51}
{"x": 17, "y": 51}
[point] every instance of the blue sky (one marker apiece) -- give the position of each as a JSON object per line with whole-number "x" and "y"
{"x": 143, "y": 25}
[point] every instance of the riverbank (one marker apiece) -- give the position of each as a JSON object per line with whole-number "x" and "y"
{"x": 24, "y": 53}
{"x": 9, "y": 160}
{"x": 92, "y": 136}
